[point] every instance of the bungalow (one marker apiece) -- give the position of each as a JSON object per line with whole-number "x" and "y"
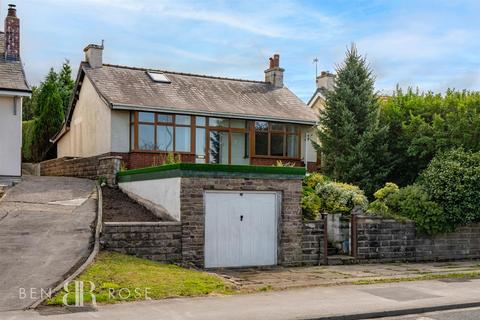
{"x": 13, "y": 87}
{"x": 143, "y": 114}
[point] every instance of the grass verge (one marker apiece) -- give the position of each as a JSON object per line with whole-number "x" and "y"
{"x": 118, "y": 277}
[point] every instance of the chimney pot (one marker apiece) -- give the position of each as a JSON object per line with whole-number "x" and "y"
{"x": 274, "y": 74}
{"x": 326, "y": 80}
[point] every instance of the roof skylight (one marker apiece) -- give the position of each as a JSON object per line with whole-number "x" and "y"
{"x": 158, "y": 77}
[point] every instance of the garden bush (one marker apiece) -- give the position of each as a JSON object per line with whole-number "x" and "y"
{"x": 320, "y": 195}
{"x": 28, "y": 134}
{"x": 452, "y": 180}
{"x": 409, "y": 203}
{"x": 414, "y": 203}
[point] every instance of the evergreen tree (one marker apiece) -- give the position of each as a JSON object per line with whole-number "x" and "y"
{"x": 29, "y": 105}
{"x": 353, "y": 146}
{"x": 66, "y": 84}
{"x": 49, "y": 116}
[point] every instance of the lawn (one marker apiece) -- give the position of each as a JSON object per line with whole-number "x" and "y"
{"x": 118, "y": 277}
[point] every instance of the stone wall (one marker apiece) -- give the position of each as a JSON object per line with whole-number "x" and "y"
{"x": 385, "y": 240}
{"x": 312, "y": 243}
{"x": 158, "y": 241}
{"x": 89, "y": 167}
{"x": 192, "y": 214}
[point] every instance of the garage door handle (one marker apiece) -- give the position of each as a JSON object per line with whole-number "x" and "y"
{"x": 241, "y": 218}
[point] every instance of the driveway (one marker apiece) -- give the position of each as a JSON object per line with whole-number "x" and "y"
{"x": 46, "y": 228}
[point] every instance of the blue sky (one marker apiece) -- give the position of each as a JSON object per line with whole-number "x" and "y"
{"x": 432, "y": 45}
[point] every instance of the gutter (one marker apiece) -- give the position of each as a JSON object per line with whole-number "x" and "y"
{"x": 121, "y": 106}
{"x": 15, "y": 92}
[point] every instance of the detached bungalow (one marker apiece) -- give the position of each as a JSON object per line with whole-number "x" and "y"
{"x": 142, "y": 114}
{"x": 13, "y": 87}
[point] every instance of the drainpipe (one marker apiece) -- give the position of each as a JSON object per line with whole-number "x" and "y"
{"x": 307, "y": 137}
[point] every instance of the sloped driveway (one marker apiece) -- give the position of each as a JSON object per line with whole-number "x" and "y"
{"x": 46, "y": 228}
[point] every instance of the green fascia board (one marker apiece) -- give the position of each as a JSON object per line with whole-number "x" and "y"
{"x": 211, "y": 170}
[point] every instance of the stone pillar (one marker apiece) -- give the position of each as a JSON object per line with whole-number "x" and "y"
{"x": 108, "y": 167}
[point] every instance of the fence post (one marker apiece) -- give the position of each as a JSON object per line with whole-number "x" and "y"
{"x": 353, "y": 235}
{"x": 325, "y": 240}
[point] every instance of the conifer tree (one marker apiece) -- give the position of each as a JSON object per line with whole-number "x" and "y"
{"x": 353, "y": 146}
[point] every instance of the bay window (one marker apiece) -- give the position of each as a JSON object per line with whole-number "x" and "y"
{"x": 214, "y": 140}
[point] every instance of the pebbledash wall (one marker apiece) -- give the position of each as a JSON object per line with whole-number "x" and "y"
{"x": 384, "y": 240}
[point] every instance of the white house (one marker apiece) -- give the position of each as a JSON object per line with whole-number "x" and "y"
{"x": 13, "y": 87}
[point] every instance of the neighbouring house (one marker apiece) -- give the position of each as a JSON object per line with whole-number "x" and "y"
{"x": 13, "y": 88}
{"x": 325, "y": 82}
{"x": 143, "y": 114}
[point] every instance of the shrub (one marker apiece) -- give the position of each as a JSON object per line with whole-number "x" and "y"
{"x": 415, "y": 203}
{"x": 379, "y": 206}
{"x": 336, "y": 197}
{"x": 452, "y": 180}
{"x": 323, "y": 196}
{"x": 27, "y": 141}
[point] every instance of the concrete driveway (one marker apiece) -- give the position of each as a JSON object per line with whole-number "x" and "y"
{"x": 46, "y": 229}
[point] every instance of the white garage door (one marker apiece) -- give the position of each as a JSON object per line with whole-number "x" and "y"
{"x": 240, "y": 229}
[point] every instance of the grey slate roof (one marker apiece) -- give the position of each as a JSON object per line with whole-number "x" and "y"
{"x": 12, "y": 76}
{"x": 198, "y": 94}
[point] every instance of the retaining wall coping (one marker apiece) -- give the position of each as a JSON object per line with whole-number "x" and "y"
{"x": 110, "y": 157}
{"x": 146, "y": 223}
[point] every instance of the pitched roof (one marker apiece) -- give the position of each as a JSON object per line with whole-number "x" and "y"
{"x": 12, "y": 76}
{"x": 132, "y": 88}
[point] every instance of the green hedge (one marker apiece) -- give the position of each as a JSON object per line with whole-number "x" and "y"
{"x": 28, "y": 128}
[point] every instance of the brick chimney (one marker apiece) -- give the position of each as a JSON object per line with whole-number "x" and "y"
{"x": 274, "y": 74}
{"x": 12, "y": 34}
{"x": 93, "y": 55}
{"x": 326, "y": 80}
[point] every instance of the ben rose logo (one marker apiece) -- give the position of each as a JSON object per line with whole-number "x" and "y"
{"x": 81, "y": 289}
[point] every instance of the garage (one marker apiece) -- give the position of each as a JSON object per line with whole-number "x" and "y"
{"x": 240, "y": 228}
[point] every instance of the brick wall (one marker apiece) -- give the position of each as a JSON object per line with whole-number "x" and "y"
{"x": 192, "y": 209}
{"x": 158, "y": 241}
{"x": 88, "y": 167}
{"x": 389, "y": 240}
{"x": 312, "y": 242}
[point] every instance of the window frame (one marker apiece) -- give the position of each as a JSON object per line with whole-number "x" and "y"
{"x": 250, "y": 129}
{"x": 285, "y": 132}
{"x": 156, "y": 124}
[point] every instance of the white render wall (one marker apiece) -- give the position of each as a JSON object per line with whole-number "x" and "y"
{"x": 162, "y": 192}
{"x": 10, "y": 137}
{"x": 90, "y": 128}
{"x": 307, "y": 145}
{"x": 120, "y": 131}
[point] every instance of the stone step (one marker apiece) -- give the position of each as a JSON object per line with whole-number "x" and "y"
{"x": 341, "y": 260}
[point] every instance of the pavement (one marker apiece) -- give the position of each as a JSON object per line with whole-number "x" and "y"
{"x": 45, "y": 231}
{"x": 281, "y": 278}
{"x": 340, "y": 302}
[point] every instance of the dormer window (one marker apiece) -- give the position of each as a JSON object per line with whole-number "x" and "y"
{"x": 158, "y": 77}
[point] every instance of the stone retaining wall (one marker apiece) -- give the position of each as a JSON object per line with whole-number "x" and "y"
{"x": 89, "y": 167}
{"x": 193, "y": 216}
{"x": 158, "y": 241}
{"x": 312, "y": 242}
{"x": 386, "y": 240}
